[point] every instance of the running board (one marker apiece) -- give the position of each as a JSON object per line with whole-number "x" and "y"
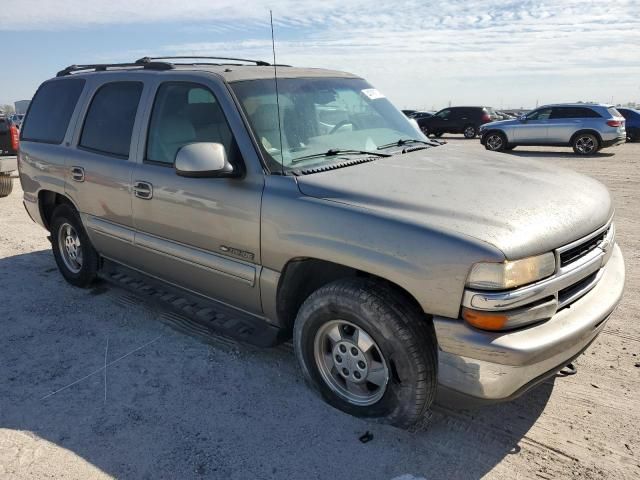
{"x": 194, "y": 314}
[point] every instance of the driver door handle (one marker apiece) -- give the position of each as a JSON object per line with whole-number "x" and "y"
{"x": 143, "y": 190}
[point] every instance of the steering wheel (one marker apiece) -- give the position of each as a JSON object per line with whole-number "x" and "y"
{"x": 339, "y": 125}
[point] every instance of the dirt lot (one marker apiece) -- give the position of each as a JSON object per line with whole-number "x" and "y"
{"x": 93, "y": 384}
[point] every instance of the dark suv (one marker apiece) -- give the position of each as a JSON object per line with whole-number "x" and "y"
{"x": 8, "y": 136}
{"x": 465, "y": 120}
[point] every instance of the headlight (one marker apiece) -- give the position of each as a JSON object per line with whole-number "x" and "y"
{"x": 511, "y": 274}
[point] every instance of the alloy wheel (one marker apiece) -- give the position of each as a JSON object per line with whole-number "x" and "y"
{"x": 350, "y": 362}
{"x": 586, "y": 144}
{"x": 70, "y": 248}
{"x": 494, "y": 142}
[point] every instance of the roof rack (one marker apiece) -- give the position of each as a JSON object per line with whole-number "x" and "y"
{"x": 153, "y": 63}
{"x": 102, "y": 67}
{"x": 146, "y": 60}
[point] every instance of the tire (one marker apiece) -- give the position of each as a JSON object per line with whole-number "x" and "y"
{"x": 425, "y": 131}
{"x": 6, "y": 185}
{"x": 470, "y": 131}
{"x": 585, "y": 144}
{"x": 495, "y": 142}
{"x": 80, "y": 269}
{"x": 402, "y": 350}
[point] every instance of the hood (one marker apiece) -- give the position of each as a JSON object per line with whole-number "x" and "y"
{"x": 522, "y": 207}
{"x": 509, "y": 121}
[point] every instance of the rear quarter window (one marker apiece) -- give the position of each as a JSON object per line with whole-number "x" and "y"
{"x": 614, "y": 112}
{"x": 50, "y": 111}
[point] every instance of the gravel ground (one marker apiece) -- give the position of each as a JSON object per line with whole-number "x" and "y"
{"x": 168, "y": 405}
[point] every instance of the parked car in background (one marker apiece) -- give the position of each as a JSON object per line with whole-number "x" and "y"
{"x": 421, "y": 114}
{"x": 465, "y": 120}
{"x": 397, "y": 266}
{"x": 17, "y": 119}
{"x": 8, "y": 148}
{"x": 500, "y": 115}
{"x": 585, "y": 127}
{"x": 409, "y": 113}
{"x": 632, "y": 123}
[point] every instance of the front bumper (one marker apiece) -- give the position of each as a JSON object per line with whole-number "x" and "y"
{"x": 478, "y": 366}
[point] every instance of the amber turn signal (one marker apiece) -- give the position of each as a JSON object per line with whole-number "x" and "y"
{"x": 484, "y": 320}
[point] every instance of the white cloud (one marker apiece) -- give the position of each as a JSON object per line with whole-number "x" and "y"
{"x": 416, "y": 51}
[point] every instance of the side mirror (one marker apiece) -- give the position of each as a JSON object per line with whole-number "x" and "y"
{"x": 203, "y": 160}
{"x": 522, "y": 118}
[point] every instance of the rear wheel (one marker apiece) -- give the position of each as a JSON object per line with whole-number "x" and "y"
{"x": 367, "y": 351}
{"x": 6, "y": 184}
{"x": 425, "y": 131}
{"x": 495, "y": 141}
{"x": 585, "y": 144}
{"x": 470, "y": 131}
{"x": 76, "y": 258}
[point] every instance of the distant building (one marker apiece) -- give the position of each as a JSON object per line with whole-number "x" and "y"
{"x": 21, "y": 106}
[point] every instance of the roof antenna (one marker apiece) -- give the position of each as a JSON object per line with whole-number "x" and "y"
{"x": 275, "y": 79}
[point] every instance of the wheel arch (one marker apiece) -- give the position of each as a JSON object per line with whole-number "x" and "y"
{"x": 303, "y": 276}
{"x": 483, "y": 139}
{"x": 48, "y": 200}
{"x": 587, "y": 130}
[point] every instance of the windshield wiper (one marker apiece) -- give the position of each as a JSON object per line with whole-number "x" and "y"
{"x": 332, "y": 152}
{"x": 405, "y": 141}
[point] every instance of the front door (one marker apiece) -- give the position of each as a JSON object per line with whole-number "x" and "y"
{"x": 99, "y": 168}
{"x": 534, "y": 128}
{"x": 202, "y": 234}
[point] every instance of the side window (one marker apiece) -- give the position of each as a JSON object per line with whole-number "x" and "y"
{"x": 542, "y": 114}
{"x": 3, "y": 126}
{"x": 583, "y": 112}
{"x": 185, "y": 113}
{"x": 561, "y": 112}
{"x": 108, "y": 124}
{"x": 50, "y": 111}
{"x": 444, "y": 114}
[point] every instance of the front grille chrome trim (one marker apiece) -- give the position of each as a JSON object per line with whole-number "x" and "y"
{"x": 565, "y": 277}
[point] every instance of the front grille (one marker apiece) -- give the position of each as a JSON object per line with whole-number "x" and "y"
{"x": 581, "y": 250}
{"x": 572, "y": 292}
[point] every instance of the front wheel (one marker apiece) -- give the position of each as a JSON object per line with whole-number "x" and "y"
{"x": 76, "y": 258}
{"x": 585, "y": 144}
{"x": 495, "y": 141}
{"x": 368, "y": 351}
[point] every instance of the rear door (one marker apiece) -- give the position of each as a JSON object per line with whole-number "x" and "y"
{"x": 202, "y": 234}
{"x": 99, "y": 168}
{"x": 534, "y": 128}
{"x": 565, "y": 121}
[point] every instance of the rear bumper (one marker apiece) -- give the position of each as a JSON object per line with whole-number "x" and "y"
{"x": 615, "y": 141}
{"x": 485, "y": 367}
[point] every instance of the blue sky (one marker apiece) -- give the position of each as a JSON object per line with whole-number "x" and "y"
{"x": 504, "y": 53}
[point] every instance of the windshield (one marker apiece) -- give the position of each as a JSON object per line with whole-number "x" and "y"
{"x": 320, "y": 115}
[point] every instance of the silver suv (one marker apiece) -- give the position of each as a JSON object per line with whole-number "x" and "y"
{"x": 400, "y": 268}
{"x": 585, "y": 127}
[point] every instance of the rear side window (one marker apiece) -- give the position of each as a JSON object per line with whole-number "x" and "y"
{"x": 50, "y": 111}
{"x": 574, "y": 112}
{"x": 3, "y": 126}
{"x": 108, "y": 124}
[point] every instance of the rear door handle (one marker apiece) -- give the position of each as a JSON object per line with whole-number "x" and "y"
{"x": 143, "y": 190}
{"x": 77, "y": 174}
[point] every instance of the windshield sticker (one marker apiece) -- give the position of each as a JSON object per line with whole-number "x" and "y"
{"x": 372, "y": 93}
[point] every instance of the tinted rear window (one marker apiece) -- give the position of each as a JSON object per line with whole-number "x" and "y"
{"x": 51, "y": 110}
{"x": 109, "y": 121}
